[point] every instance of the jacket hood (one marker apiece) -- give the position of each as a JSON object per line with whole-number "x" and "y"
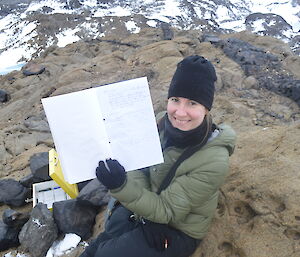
{"x": 226, "y": 138}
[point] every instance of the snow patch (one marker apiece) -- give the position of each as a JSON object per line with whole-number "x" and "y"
{"x": 152, "y": 23}
{"x": 18, "y": 255}
{"x": 91, "y": 27}
{"x": 258, "y": 25}
{"x": 58, "y": 7}
{"x": 67, "y": 37}
{"x": 115, "y": 11}
{"x": 7, "y": 20}
{"x": 131, "y": 26}
{"x": 39, "y": 224}
{"x": 50, "y": 41}
{"x": 222, "y": 13}
{"x": 170, "y": 9}
{"x": 283, "y": 8}
{"x": 12, "y": 56}
{"x": 90, "y": 3}
{"x": 9, "y": 69}
{"x": 237, "y": 25}
{"x": 64, "y": 246}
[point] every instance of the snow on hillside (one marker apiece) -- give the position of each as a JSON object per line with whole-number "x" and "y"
{"x": 17, "y": 31}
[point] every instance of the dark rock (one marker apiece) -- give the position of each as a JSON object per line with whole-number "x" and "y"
{"x": 15, "y": 219}
{"x": 294, "y": 44}
{"x": 39, "y": 233}
{"x": 39, "y": 166}
{"x": 210, "y": 38}
{"x": 73, "y": 4}
{"x": 82, "y": 184}
{"x": 32, "y": 69}
{"x": 5, "y": 10}
{"x": 47, "y": 9}
{"x": 265, "y": 67}
{"x": 73, "y": 216}
{"x": 94, "y": 192}
{"x": 291, "y": 89}
{"x": 4, "y": 97}
{"x": 28, "y": 181}
{"x": 12, "y": 192}
{"x": 8, "y": 236}
{"x": 168, "y": 33}
{"x": 248, "y": 56}
{"x": 272, "y": 24}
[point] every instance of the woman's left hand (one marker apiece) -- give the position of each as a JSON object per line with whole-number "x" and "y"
{"x": 112, "y": 177}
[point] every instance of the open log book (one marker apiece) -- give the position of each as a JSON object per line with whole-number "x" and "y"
{"x": 111, "y": 121}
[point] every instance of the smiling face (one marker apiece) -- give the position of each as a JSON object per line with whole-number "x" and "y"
{"x": 185, "y": 114}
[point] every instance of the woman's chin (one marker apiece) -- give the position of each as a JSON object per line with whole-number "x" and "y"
{"x": 181, "y": 126}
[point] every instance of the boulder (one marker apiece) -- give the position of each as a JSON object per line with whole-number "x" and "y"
{"x": 73, "y": 216}
{"x": 94, "y": 192}
{"x": 8, "y": 236}
{"x": 38, "y": 234}
{"x": 37, "y": 123}
{"x": 33, "y": 69}
{"x": 168, "y": 33}
{"x": 14, "y": 218}
{"x": 264, "y": 66}
{"x": 214, "y": 39}
{"x": 73, "y": 4}
{"x": 12, "y": 192}
{"x": 28, "y": 181}
{"x": 271, "y": 24}
{"x": 39, "y": 166}
{"x": 4, "y": 96}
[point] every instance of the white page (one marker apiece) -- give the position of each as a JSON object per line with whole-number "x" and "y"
{"x": 130, "y": 123}
{"x": 78, "y": 133}
{"x": 82, "y": 137}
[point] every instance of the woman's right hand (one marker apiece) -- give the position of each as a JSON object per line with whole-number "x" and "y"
{"x": 112, "y": 177}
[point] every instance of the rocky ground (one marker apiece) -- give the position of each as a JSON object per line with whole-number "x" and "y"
{"x": 257, "y": 94}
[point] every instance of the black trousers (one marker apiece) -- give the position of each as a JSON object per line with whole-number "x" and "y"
{"x": 124, "y": 238}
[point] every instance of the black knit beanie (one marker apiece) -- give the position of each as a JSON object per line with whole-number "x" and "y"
{"x": 194, "y": 79}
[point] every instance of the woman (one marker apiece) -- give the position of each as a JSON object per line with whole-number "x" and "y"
{"x": 171, "y": 222}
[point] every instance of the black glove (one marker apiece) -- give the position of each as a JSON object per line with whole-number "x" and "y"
{"x": 112, "y": 178}
{"x": 157, "y": 235}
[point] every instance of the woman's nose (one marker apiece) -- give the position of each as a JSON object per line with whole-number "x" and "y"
{"x": 181, "y": 110}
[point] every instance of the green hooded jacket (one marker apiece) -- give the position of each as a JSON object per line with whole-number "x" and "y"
{"x": 189, "y": 202}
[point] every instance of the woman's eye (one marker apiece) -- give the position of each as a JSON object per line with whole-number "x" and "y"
{"x": 193, "y": 103}
{"x": 174, "y": 99}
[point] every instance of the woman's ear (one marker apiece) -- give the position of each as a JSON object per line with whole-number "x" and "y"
{"x": 206, "y": 111}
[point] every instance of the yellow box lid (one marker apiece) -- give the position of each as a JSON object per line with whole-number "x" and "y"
{"x": 56, "y": 174}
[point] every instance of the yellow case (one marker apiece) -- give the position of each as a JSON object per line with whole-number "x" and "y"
{"x": 56, "y": 174}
